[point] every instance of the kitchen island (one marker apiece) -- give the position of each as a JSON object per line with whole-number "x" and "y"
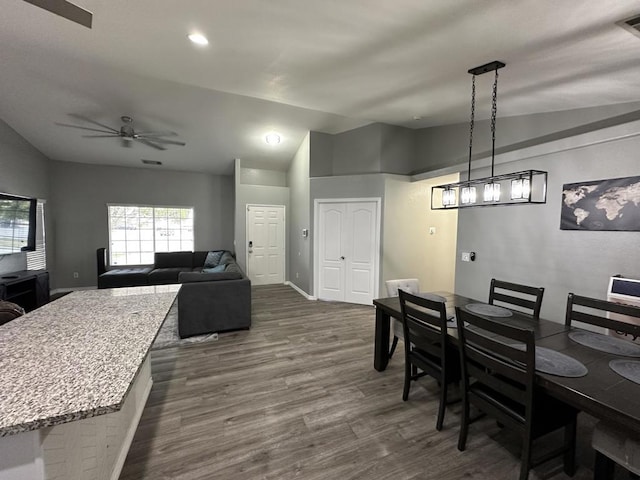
{"x": 75, "y": 376}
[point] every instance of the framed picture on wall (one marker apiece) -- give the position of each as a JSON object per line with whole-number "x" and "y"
{"x": 612, "y": 205}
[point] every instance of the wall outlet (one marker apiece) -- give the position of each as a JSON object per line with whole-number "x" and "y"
{"x": 465, "y": 257}
{"x": 75, "y": 275}
{"x": 297, "y": 275}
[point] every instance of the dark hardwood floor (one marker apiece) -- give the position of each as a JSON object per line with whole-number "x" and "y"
{"x": 297, "y": 397}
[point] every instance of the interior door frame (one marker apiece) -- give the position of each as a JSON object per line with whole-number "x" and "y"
{"x": 316, "y": 244}
{"x": 284, "y": 237}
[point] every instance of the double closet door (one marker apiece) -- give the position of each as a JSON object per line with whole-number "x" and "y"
{"x": 348, "y": 250}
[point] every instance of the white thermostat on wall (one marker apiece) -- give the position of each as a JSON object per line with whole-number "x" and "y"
{"x": 305, "y": 232}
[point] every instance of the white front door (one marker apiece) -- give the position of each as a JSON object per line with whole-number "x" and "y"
{"x": 348, "y": 251}
{"x": 265, "y": 244}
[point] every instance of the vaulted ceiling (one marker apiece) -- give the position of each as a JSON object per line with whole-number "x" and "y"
{"x": 296, "y": 65}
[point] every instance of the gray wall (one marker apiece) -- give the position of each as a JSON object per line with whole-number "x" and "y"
{"x": 525, "y": 244}
{"x": 81, "y": 192}
{"x": 23, "y": 171}
{"x": 257, "y": 176}
{"x": 259, "y": 195}
{"x": 448, "y": 146}
{"x": 300, "y": 258}
{"x": 374, "y": 148}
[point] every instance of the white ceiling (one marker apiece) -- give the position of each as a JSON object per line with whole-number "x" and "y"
{"x": 297, "y": 65}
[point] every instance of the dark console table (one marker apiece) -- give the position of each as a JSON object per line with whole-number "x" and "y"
{"x": 27, "y": 288}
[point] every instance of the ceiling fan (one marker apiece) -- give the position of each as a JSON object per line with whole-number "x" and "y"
{"x": 126, "y": 133}
{"x": 66, "y": 10}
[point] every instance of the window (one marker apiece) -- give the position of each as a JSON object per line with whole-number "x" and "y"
{"x": 37, "y": 260}
{"x": 136, "y": 232}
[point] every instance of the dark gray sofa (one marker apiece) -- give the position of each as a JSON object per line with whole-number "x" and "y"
{"x": 207, "y": 301}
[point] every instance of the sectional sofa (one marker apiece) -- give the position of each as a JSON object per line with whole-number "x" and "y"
{"x": 215, "y": 295}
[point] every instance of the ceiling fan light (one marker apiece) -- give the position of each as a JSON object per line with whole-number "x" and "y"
{"x": 198, "y": 39}
{"x": 272, "y": 138}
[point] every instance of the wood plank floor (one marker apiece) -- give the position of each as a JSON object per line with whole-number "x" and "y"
{"x": 297, "y": 397}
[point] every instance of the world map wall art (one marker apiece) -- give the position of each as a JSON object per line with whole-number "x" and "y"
{"x": 601, "y": 205}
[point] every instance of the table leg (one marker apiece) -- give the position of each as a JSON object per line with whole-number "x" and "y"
{"x": 381, "y": 352}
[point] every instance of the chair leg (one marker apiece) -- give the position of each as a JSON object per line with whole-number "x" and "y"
{"x": 394, "y": 344}
{"x": 525, "y": 463}
{"x": 569, "y": 459}
{"x": 408, "y": 368}
{"x": 443, "y": 405}
{"x": 603, "y": 468}
{"x": 464, "y": 425}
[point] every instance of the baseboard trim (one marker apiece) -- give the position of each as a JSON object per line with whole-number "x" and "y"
{"x": 300, "y": 291}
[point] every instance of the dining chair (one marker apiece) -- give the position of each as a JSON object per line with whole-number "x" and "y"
{"x": 603, "y": 313}
{"x": 498, "y": 378}
{"x": 612, "y": 443}
{"x": 427, "y": 346}
{"x": 411, "y": 285}
{"x": 525, "y": 298}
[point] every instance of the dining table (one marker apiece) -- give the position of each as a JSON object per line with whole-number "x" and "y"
{"x": 600, "y": 392}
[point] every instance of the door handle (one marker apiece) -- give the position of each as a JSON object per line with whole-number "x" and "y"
{"x": 341, "y": 258}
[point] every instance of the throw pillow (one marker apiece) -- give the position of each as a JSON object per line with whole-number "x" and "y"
{"x": 216, "y": 269}
{"x": 213, "y": 258}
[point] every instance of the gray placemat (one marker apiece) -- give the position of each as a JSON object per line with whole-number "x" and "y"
{"x": 432, "y": 296}
{"x": 488, "y": 310}
{"x": 629, "y": 369}
{"x": 605, "y": 343}
{"x": 556, "y": 363}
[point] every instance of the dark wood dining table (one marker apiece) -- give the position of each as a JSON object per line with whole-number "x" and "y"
{"x": 601, "y": 392}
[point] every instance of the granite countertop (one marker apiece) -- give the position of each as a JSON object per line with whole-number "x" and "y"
{"x": 78, "y": 356}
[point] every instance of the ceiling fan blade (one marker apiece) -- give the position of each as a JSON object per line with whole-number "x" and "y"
{"x": 156, "y": 134}
{"x": 87, "y": 119}
{"x": 164, "y": 140}
{"x": 88, "y": 128}
{"x": 65, "y": 9}
{"x": 150, "y": 143}
{"x": 113, "y": 135}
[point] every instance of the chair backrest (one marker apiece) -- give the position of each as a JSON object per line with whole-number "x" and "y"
{"x": 529, "y": 299}
{"x": 598, "y": 312}
{"x": 424, "y": 324}
{"x": 504, "y": 367}
{"x": 411, "y": 285}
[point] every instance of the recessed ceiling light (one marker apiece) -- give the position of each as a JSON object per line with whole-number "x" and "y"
{"x": 272, "y": 138}
{"x": 198, "y": 39}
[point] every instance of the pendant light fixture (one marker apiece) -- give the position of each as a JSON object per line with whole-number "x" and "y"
{"x": 529, "y": 186}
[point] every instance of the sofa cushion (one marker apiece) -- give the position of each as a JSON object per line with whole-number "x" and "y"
{"x": 173, "y": 259}
{"x": 124, "y": 277}
{"x": 216, "y": 269}
{"x": 227, "y": 258}
{"x": 161, "y": 276}
{"x": 213, "y": 259}
{"x": 199, "y": 258}
{"x": 232, "y": 267}
{"x": 189, "y": 277}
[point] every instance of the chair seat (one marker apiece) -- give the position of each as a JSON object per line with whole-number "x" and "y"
{"x": 620, "y": 445}
{"x": 549, "y": 414}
